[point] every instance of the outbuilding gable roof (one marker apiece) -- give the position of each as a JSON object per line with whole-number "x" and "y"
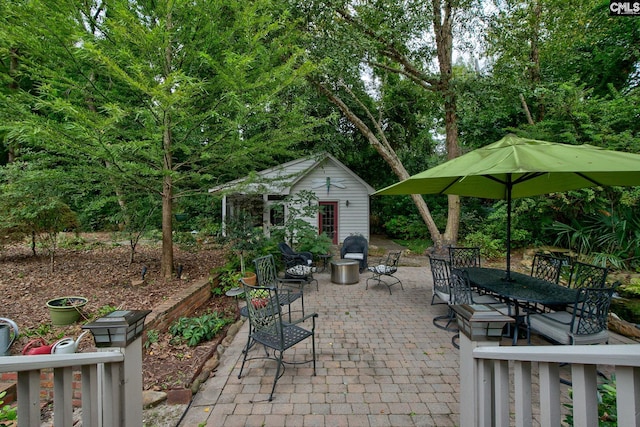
{"x": 280, "y": 179}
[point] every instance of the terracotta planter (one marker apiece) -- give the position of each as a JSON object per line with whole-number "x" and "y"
{"x": 250, "y": 278}
{"x": 65, "y": 310}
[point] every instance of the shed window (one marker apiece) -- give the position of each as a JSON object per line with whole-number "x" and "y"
{"x": 276, "y": 215}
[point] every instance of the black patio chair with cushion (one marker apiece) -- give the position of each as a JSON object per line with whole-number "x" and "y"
{"x": 386, "y": 268}
{"x": 442, "y": 291}
{"x": 297, "y": 265}
{"x": 587, "y": 276}
{"x": 461, "y": 293}
{"x": 355, "y": 247}
{"x": 460, "y": 257}
{"x": 269, "y": 329}
{"x": 585, "y": 325}
{"x": 546, "y": 267}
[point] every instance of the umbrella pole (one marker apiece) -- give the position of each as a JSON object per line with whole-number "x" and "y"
{"x": 509, "y": 187}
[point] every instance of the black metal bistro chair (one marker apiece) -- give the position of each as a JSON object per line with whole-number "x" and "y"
{"x": 269, "y": 329}
{"x": 587, "y": 324}
{"x": 442, "y": 291}
{"x": 290, "y": 289}
{"x": 385, "y": 271}
{"x": 460, "y": 257}
{"x": 461, "y": 293}
{"x": 587, "y": 276}
{"x": 546, "y": 267}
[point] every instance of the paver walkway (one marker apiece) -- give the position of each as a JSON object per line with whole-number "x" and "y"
{"x": 380, "y": 362}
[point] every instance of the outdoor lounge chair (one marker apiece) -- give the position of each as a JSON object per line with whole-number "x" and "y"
{"x": 355, "y": 247}
{"x": 297, "y": 265}
{"x": 268, "y": 328}
{"x": 386, "y": 268}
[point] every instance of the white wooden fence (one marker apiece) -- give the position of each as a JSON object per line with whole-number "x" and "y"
{"x": 111, "y": 386}
{"x": 503, "y": 382}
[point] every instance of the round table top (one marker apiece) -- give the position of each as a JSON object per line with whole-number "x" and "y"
{"x": 234, "y": 292}
{"x": 344, "y": 262}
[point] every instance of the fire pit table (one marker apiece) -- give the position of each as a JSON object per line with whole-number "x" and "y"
{"x": 345, "y": 271}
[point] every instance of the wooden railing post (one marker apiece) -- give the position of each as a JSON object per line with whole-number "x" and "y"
{"x": 480, "y": 325}
{"x": 122, "y": 329}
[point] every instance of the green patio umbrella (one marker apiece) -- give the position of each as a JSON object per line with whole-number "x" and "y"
{"x": 515, "y": 167}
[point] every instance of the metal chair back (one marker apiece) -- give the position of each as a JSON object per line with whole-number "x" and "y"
{"x": 441, "y": 279}
{"x": 587, "y": 276}
{"x": 546, "y": 267}
{"x": 460, "y": 257}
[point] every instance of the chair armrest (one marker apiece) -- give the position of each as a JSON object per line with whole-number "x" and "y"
{"x": 302, "y": 319}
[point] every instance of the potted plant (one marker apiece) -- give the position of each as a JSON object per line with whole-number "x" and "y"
{"x": 65, "y": 310}
{"x": 259, "y": 298}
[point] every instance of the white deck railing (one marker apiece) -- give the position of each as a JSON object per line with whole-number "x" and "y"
{"x": 496, "y": 381}
{"x": 110, "y": 385}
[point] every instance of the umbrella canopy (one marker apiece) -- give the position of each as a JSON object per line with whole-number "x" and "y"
{"x": 515, "y": 167}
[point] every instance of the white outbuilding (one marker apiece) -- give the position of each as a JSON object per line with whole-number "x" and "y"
{"x": 342, "y": 196}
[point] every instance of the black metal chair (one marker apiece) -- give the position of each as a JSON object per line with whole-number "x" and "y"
{"x": 461, "y": 293}
{"x": 298, "y": 265}
{"x": 462, "y": 257}
{"x": 587, "y": 276}
{"x": 268, "y": 328}
{"x": 386, "y": 268}
{"x": 357, "y": 248}
{"x": 291, "y": 289}
{"x": 587, "y": 324}
{"x": 546, "y": 267}
{"x": 442, "y": 291}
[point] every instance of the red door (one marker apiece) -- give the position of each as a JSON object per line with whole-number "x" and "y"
{"x": 328, "y": 220}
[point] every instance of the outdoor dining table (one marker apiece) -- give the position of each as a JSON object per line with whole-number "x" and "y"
{"x": 521, "y": 290}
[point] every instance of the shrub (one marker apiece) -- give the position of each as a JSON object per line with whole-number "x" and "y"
{"x": 194, "y": 330}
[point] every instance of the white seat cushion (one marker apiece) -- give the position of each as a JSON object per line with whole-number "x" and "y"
{"x": 354, "y": 256}
{"x": 382, "y": 269}
{"x": 549, "y": 325}
{"x": 301, "y": 270}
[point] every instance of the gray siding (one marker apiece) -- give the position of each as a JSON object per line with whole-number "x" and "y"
{"x": 352, "y": 219}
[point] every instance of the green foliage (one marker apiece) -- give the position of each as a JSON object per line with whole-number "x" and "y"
{"x": 406, "y": 227}
{"x": 194, "y": 330}
{"x": 7, "y": 412}
{"x": 186, "y": 240}
{"x": 418, "y": 246}
{"x": 152, "y": 337}
{"x": 104, "y": 310}
{"x": 313, "y": 242}
{"x": 607, "y": 405}
{"x": 631, "y": 290}
{"x": 229, "y": 279}
{"x": 489, "y": 247}
{"x": 608, "y": 235}
{"x": 41, "y": 331}
{"x": 244, "y": 238}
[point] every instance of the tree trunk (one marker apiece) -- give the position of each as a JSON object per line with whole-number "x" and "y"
{"x": 443, "y": 25}
{"x": 388, "y": 154}
{"x": 167, "y": 167}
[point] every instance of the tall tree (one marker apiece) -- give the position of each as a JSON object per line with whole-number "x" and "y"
{"x": 163, "y": 97}
{"x": 359, "y": 44}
